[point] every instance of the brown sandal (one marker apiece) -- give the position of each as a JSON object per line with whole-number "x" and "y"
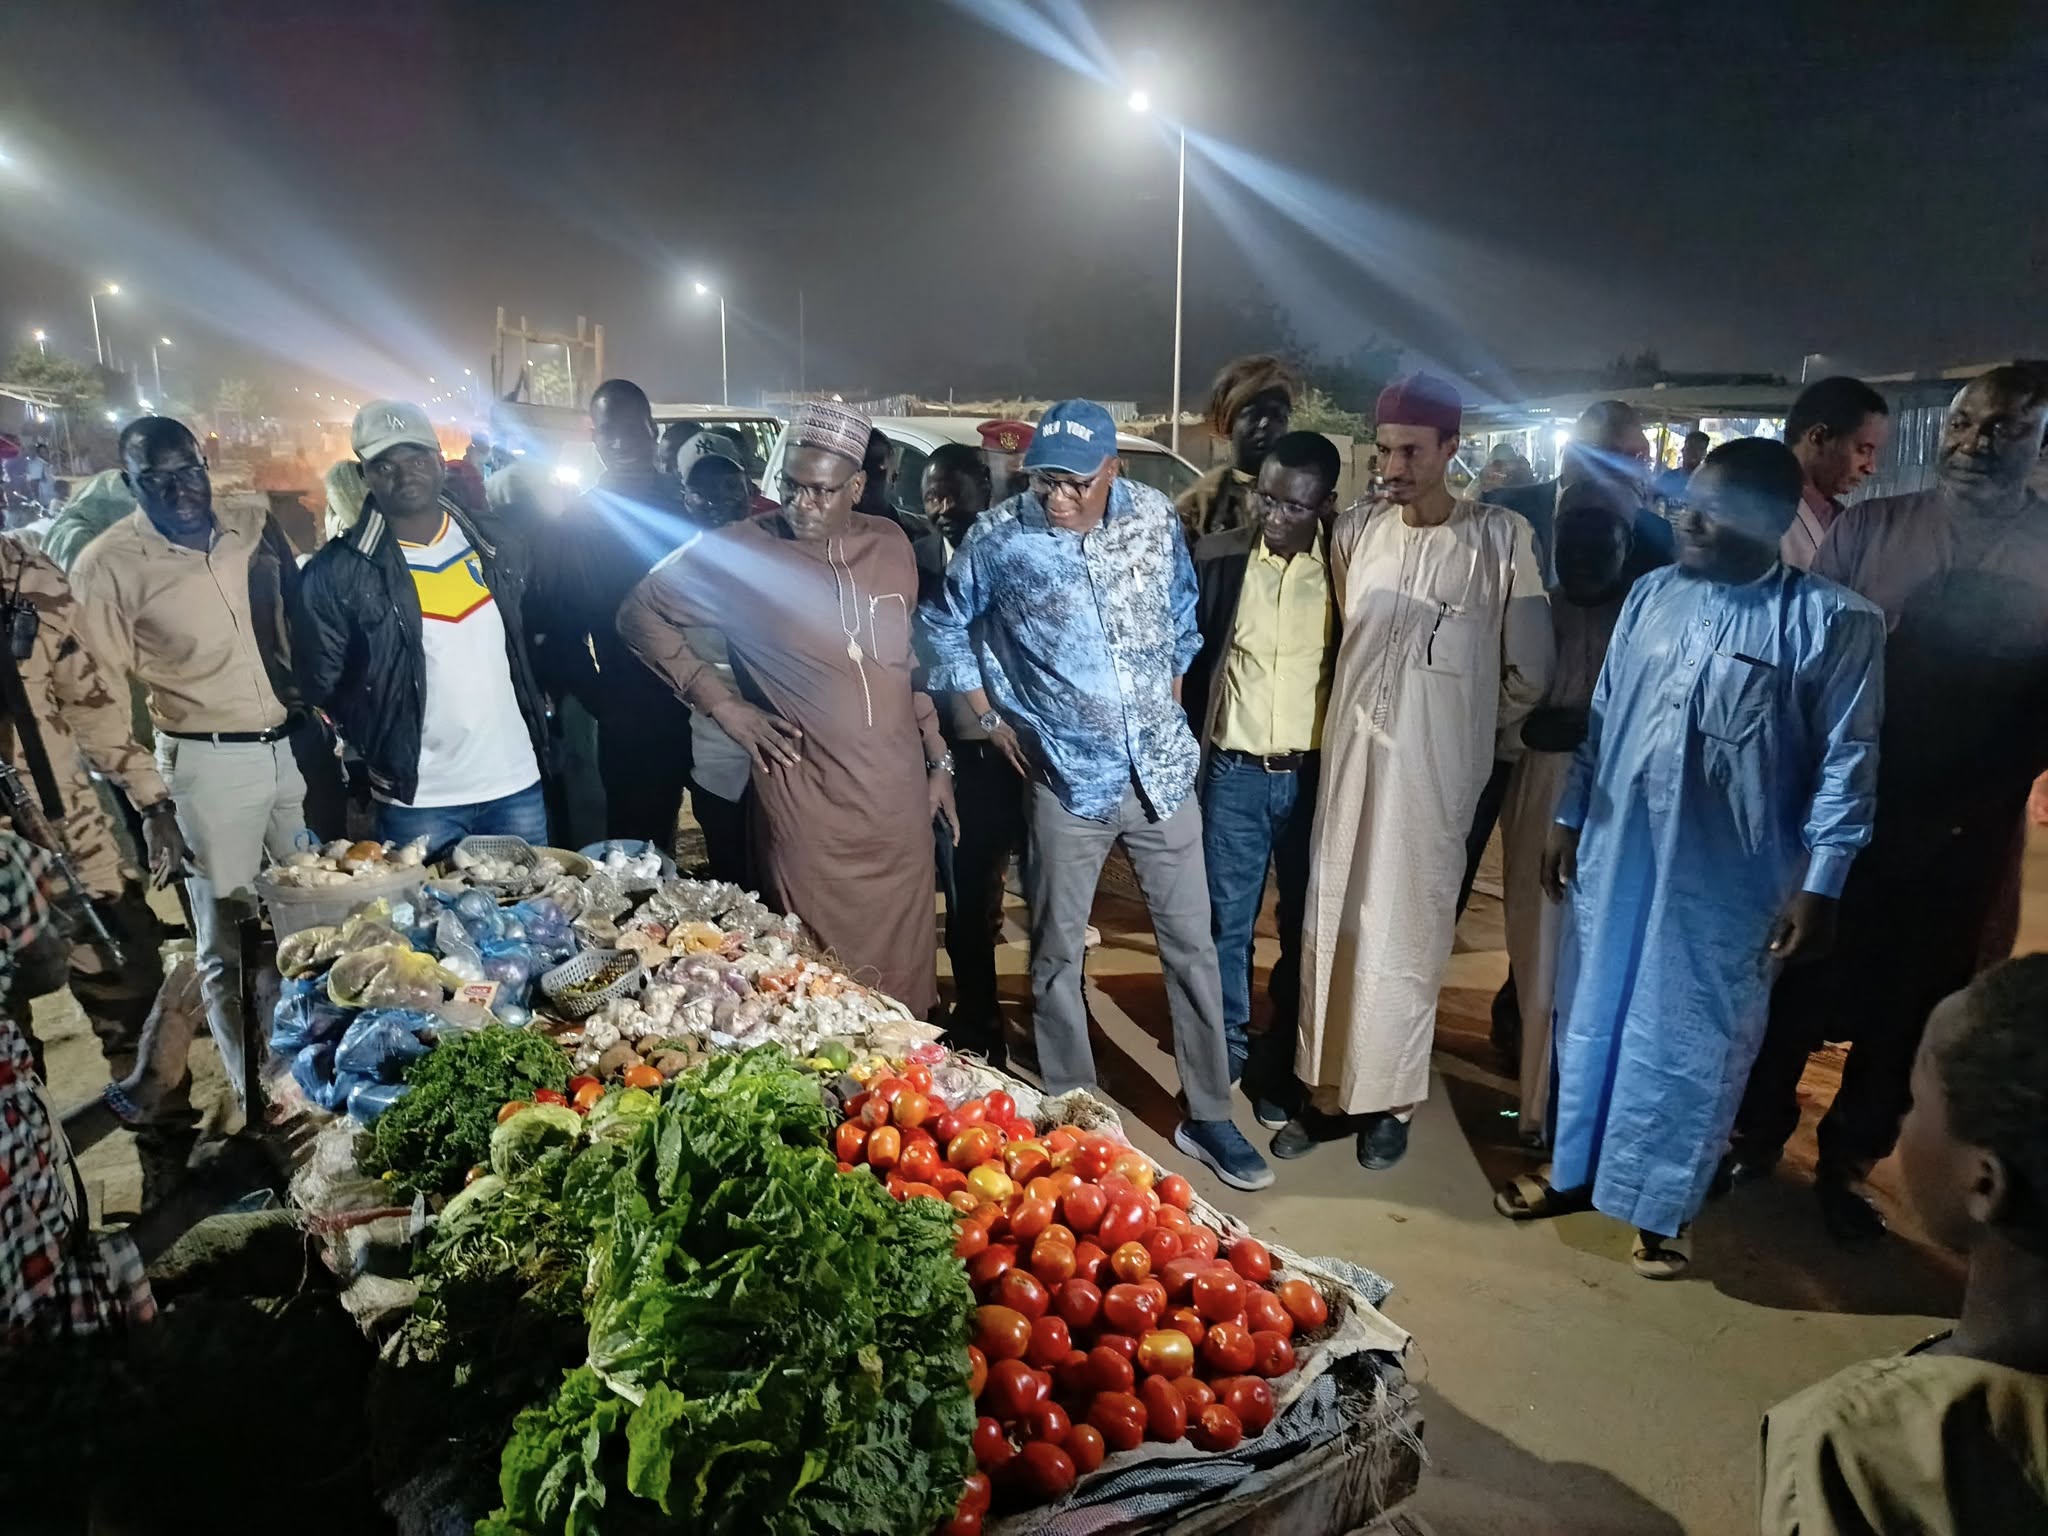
{"x": 1530, "y": 1197}
{"x": 1663, "y": 1258}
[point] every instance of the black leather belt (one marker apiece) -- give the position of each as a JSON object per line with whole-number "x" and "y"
{"x": 1272, "y": 762}
{"x": 230, "y": 738}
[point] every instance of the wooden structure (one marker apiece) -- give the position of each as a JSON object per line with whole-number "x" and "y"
{"x": 583, "y": 353}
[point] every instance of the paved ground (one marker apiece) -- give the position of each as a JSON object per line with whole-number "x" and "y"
{"x": 1562, "y": 1393}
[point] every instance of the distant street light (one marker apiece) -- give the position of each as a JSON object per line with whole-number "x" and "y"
{"x": 156, "y": 363}
{"x": 99, "y": 345}
{"x": 42, "y": 337}
{"x": 724, "y": 386}
{"x": 1141, "y": 102}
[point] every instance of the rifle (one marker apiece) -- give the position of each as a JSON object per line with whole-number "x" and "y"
{"x": 75, "y": 911}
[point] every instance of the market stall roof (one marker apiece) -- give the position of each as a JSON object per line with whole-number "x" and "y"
{"x": 1680, "y": 402}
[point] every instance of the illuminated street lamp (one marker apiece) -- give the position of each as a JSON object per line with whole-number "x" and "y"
{"x": 42, "y": 338}
{"x": 99, "y": 345}
{"x": 724, "y": 388}
{"x": 1141, "y": 103}
{"x": 156, "y": 363}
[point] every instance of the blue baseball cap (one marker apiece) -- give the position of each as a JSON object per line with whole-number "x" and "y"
{"x": 1073, "y": 437}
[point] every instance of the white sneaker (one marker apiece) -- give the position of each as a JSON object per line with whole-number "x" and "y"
{"x": 1091, "y": 937}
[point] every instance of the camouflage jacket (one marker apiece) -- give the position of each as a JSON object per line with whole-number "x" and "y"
{"x": 1216, "y": 503}
{"x": 84, "y": 721}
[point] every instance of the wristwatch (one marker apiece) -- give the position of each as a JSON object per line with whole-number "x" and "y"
{"x": 944, "y": 764}
{"x": 989, "y": 720}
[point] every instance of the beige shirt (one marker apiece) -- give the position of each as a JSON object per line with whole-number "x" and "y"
{"x": 178, "y": 620}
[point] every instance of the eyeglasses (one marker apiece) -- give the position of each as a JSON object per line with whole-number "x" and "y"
{"x": 1273, "y": 506}
{"x": 1049, "y": 486}
{"x": 794, "y": 491}
{"x": 162, "y": 482}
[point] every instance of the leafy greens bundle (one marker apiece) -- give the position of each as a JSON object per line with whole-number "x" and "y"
{"x": 442, "y": 1127}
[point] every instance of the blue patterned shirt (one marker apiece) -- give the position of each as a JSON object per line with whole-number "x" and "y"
{"x": 1077, "y": 639}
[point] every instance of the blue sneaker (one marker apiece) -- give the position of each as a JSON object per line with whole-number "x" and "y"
{"x": 1221, "y": 1148}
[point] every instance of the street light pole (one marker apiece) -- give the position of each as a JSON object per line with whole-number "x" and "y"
{"x": 1180, "y": 234}
{"x": 42, "y": 344}
{"x": 99, "y": 347}
{"x": 724, "y": 388}
{"x": 156, "y": 364}
{"x": 800, "y": 341}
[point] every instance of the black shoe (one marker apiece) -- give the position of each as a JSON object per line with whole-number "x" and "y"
{"x": 1270, "y": 1113}
{"x": 1307, "y": 1131}
{"x": 1851, "y": 1217}
{"x": 1382, "y": 1142}
{"x": 1744, "y": 1165}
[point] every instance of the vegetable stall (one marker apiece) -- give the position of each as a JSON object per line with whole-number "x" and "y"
{"x": 663, "y": 1223}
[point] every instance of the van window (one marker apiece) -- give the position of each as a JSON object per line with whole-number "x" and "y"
{"x": 1161, "y": 471}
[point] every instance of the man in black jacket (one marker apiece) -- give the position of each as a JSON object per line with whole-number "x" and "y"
{"x": 408, "y": 631}
{"x": 1256, "y": 694}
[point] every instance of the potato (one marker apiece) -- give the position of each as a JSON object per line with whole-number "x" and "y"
{"x": 616, "y": 1059}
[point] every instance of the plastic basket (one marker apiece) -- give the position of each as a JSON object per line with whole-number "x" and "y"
{"x": 554, "y": 984}
{"x": 292, "y": 908}
{"x": 632, "y": 848}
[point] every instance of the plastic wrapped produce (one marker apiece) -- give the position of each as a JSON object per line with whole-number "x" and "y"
{"x": 380, "y": 1042}
{"x": 305, "y": 1014}
{"x": 369, "y": 1100}
{"x": 390, "y": 977}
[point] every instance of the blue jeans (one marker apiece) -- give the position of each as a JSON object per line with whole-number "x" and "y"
{"x": 1252, "y": 819}
{"x": 522, "y": 815}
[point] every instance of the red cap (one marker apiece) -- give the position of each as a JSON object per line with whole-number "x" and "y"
{"x": 1420, "y": 400}
{"x": 1006, "y": 436}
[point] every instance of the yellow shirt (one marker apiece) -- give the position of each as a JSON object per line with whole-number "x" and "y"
{"x": 1276, "y": 679}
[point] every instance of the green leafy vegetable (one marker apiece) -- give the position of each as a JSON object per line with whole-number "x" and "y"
{"x": 773, "y": 1347}
{"x": 519, "y": 1142}
{"x": 442, "y": 1127}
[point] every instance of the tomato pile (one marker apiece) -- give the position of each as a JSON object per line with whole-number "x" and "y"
{"x": 1109, "y": 1315}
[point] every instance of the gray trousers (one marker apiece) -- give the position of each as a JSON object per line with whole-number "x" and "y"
{"x": 1060, "y": 876}
{"x": 237, "y": 802}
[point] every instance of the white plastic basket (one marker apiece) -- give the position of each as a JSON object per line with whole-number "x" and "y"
{"x": 555, "y": 985}
{"x": 292, "y": 908}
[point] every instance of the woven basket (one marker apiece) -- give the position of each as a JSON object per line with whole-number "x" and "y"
{"x": 554, "y": 984}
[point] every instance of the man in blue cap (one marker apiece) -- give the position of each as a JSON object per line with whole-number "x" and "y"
{"x": 1067, "y": 619}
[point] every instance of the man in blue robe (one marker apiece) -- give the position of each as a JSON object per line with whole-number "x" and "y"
{"x": 1725, "y": 784}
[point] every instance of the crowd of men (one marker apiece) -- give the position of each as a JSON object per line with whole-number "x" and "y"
{"x": 1760, "y": 760}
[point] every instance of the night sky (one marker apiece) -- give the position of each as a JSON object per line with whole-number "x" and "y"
{"x": 343, "y": 193}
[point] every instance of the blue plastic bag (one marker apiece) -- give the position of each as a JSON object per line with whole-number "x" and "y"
{"x": 512, "y": 966}
{"x": 380, "y": 1042}
{"x": 306, "y": 1014}
{"x": 313, "y": 1070}
{"x": 370, "y": 1100}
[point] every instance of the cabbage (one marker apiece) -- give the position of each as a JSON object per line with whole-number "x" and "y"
{"x": 519, "y": 1143}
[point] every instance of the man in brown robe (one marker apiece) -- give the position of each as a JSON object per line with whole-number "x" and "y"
{"x": 849, "y": 766}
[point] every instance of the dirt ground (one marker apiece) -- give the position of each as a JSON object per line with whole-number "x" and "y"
{"x": 1562, "y": 1394}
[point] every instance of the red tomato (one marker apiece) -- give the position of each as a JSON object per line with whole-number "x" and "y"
{"x": 1064, "y": 1236}
{"x": 1131, "y": 1263}
{"x": 1185, "y": 1320}
{"x": 1022, "y": 1291}
{"x": 939, "y": 1105}
{"x": 1123, "y": 1343}
{"x": 844, "y": 1167}
{"x": 1136, "y": 1167}
{"x": 1084, "y": 1444}
{"x": 1117, "y": 1416}
{"x": 977, "y": 1371}
{"x": 1031, "y": 1217}
{"x": 1053, "y": 1263}
{"x": 971, "y": 1242}
{"x": 1014, "y": 1389}
{"x": 1091, "y": 1263}
{"x": 888, "y": 1089}
{"x": 1173, "y": 1219}
{"x": 1250, "y": 1258}
{"x": 1001, "y": 1333}
{"x": 1048, "y": 1421}
{"x": 999, "y": 1107}
{"x": 966, "y": 1204}
{"x": 1077, "y": 1302}
{"x": 1178, "y": 1276}
{"x": 1151, "y": 1287}
{"x": 972, "y": 1112}
{"x": 975, "y": 1496}
{"x": 1250, "y": 1399}
{"x": 1176, "y": 1192}
{"x": 1218, "y": 1293}
{"x": 885, "y": 1147}
{"x": 1201, "y": 1242}
{"x": 972, "y": 1147}
{"x": 990, "y": 1265}
{"x": 949, "y": 1180}
{"x": 1275, "y": 1355}
{"x": 549, "y": 1096}
{"x": 1073, "y": 1377}
{"x": 992, "y": 1447}
{"x": 918, "y": 1161}
{"x": 962, "y": 1525}
{"x": 1166, "y": 1411}
{"x": 1197, "y": 1391}
{"x": 848, "y": 1142}
{"x": 874, "y": 1112}
{"x": 1062, "y": 1138}
{"x": 910, "y": 1109}
{"x": 1166, "y": 1352}
{"x": 1109, "y": 1371}
{"x": 1216, "y": 1428}
{"x": 1026, "y": 1160}
{"x": 1125, "y": 1221}
{"x": 1162, "y": 1246}
{"x": 1229, "y": 1349}
{"x": 1128, "y": 1309}
{"x": 1304, "y": 1303}
{"x": 1092, "y": 1159}
{"x": 1264, "y": 1314}
{"x": 915, "y": 1135}
{"x": 918, "y": 1076}
{"x": 1050, "y": 1343}
{"x": 1042, "y": 1472}
{"x": 854, "y": 1105}
{"x": 1082, "y": 1207}
{"x": 947, "y": 1126}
